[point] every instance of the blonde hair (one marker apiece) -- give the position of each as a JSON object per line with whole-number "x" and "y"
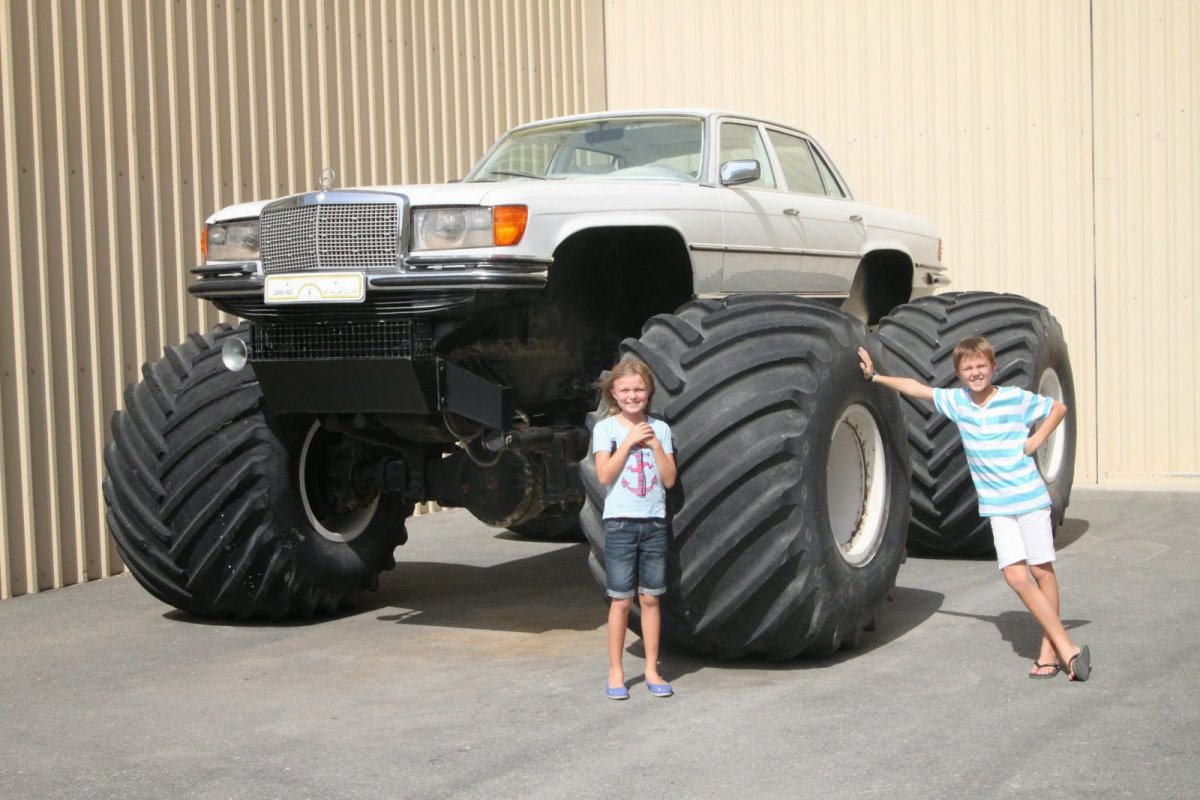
{"x": 974, "y": 346}
{"x": 624, "y": 369}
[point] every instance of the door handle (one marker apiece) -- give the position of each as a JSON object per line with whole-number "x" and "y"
{"x": 792, "y": 212}
{"x": 856, "y": 217}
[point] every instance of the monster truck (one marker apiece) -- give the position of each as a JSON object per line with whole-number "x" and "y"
{"x": 405, "y": 344}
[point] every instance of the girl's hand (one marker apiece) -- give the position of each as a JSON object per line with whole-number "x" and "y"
{"x": 639, "y": 434}
{"x": 868, "y": 368}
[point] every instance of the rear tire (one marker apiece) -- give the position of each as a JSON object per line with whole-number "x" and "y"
{"x": 918, "y": 341}
{"x": 216, "y": 505}
{"x": 791, "y": 504}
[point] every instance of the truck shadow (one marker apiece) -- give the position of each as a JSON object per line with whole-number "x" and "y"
{"x": 906, "y": 610}
{"x": 549, "y": 591}
{"x": 556, "y": 591}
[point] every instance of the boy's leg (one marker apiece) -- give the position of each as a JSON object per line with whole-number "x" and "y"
{"x": 1017, "y": 576}
{"x": 1019, "y": 540}
{"x": 1047, "y": 582}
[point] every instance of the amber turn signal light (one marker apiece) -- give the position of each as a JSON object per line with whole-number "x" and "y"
{"x": 508, "y": 224}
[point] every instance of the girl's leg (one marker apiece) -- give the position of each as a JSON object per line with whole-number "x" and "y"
{"x": 1047, "y": 582}
{"x": 618, "y": 623}
{"x": 651, "y": 632}
{"x": 1017, "y": 576}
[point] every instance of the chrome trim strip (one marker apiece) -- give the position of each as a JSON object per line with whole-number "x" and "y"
{"x": 818, "y": 295}
{"x": 478, "y": 279}
{"x": 781, "y": 251}
{"x": 515, "y": 264}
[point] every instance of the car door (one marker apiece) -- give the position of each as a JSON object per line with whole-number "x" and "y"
{"x": 763, "y": 242}
{"x": 830, "y": 223}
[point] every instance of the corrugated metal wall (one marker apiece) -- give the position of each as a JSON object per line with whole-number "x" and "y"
{"x": 1055, "y": 145}
{"x": 1147, "y": 156}
{"x": 126, "y": 122}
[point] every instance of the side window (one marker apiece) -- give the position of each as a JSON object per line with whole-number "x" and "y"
{"x": 831, "y": 185}
{"x": 802, "y": 168}
{"x": 740, "y": 142}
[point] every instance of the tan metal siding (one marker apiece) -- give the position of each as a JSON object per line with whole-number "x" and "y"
{"x": 1148, "y": 239}
{"x": 126, "y": 122}
{"x": 979, "y": 116}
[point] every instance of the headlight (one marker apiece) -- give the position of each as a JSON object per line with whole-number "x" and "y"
{"x": 468, "y": 226}
{"x": 451, "y": 228}
{"x": 231, "y": 241}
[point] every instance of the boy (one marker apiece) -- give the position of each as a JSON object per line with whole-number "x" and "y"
{"x": 993, "y": 422}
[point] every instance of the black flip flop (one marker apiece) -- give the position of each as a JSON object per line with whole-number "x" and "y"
{"x": 1080, "y": 665}
{"x": 1039, "y": 665}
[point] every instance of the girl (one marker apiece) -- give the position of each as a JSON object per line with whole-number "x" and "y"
{"x": 634, "y": 459}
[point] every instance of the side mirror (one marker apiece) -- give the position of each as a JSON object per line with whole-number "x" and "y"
{"x": 738, "y": 172}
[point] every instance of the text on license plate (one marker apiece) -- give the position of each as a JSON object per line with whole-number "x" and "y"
{"x": 319, "y": 287}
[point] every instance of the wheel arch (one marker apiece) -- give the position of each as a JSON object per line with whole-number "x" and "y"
{"x": 884, "y": 280}
{"x": 605, "y": 282}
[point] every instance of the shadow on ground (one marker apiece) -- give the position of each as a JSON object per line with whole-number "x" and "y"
{"x": 548, "y": 591}
{"x": 908, "y": 608}
{"x": 556, "y": 591}
{"x": 1070, "y": 532}
{"x": 1018, "y": 628}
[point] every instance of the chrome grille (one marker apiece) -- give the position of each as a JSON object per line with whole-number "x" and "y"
{"x": 330, "y": 237}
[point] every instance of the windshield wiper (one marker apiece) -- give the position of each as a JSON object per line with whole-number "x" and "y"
{"x": 515, "y": 174}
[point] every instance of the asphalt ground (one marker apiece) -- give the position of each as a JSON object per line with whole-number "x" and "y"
{"x": 477, "y": 672}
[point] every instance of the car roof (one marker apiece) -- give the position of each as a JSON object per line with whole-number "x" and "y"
{"x": 707, "y": 113}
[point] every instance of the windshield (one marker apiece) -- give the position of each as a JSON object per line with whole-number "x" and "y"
{"x": 654, "y": 148}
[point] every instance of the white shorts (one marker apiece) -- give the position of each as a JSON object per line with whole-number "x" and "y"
{"x": 1028, "y": 538}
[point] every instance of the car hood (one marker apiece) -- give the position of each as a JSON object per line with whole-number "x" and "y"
{"x": 483, "y": 193}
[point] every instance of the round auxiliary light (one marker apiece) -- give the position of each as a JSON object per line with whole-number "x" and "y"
{"x": 234, "y": 354}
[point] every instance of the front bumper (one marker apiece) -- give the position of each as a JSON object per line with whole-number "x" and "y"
{"x": 418, "y": 275}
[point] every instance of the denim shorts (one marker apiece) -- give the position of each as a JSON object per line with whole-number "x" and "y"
{"x": 635, "y": 556}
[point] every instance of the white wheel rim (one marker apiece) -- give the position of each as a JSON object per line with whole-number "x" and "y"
{"x": 1052, "y": 453}
{"x": 334, "y": 527}
{"x": 856, "y": 485}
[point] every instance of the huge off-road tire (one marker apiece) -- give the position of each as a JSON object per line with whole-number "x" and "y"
{"x": 791, "y": 505}
{"x": 216, "y": 505}
{"x": 918, "y": 341}
{"x": 558, "y": 523}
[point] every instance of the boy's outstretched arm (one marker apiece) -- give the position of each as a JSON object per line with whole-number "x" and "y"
{"x": 908, "y": 386}
{"x": 1057, "y": 412}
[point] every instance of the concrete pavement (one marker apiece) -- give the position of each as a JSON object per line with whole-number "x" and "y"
{"x": 477, "y": 671}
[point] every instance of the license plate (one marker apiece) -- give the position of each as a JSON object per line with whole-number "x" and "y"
{"x": 315, "y": 287}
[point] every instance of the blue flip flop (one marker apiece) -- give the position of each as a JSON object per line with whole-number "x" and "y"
{"x": 660, "y": 689}
{"x": 619, "y": 693}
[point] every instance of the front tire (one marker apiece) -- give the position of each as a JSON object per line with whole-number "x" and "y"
{"x": 791, "y": 503}
{"x": 918, "y": 340}
{"x": 216, "y": 505}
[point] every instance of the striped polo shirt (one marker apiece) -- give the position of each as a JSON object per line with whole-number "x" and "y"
{"x": 993, "y": 436}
